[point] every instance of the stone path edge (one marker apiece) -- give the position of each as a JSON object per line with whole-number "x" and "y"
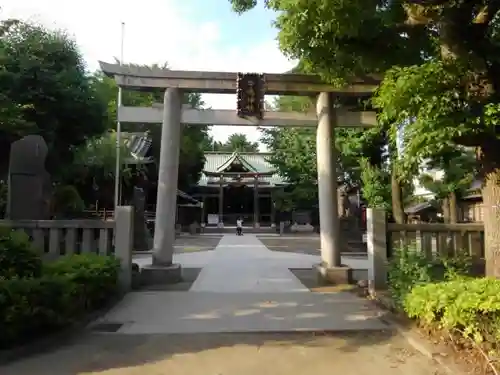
{"x": 59, "y": 338}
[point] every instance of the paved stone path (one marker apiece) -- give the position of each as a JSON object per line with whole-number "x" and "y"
{"x": 245, "y": 314}
{"x": 243, "y": 287}
{"x": 244, "y": 264}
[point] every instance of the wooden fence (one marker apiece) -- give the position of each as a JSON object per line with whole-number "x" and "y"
{"x": 55, "y": 238}
{"x": 430, "y": 238}
{"x": 438, "y": 239}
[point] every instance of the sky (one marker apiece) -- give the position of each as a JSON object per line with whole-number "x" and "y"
{"x": 188, "y": 34}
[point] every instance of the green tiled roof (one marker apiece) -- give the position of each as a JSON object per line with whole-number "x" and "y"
{"x": 254, "y": 161}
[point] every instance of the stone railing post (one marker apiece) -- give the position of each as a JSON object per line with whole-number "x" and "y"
{"x": 124, "y": 241}
{"x": 376, "y": 227}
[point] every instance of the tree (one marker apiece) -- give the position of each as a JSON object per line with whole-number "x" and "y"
{"x": 441, "y": 66}
{"x": 458, "y": 167}
{"x": 361, "y": 160}
{"x": 46, "y": 91}
{"x": 294, "y": 155}
{"x": 235, "y": 142}
{"x": 193, "y": 138}
{"x": 459, "y": 102}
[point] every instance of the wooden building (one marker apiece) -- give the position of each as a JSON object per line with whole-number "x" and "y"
{"x": 238, "y": 184}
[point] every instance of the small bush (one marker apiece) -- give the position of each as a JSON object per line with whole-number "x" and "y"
{"x": 17, "y": 256}
{"x": 409, "y": 267}
{"x": 66, "y": 202}
{"x": 32, "y": 307}
{"x": 68, "y": 288}
{"x": 97, "y": 275}
{"x": 471, "y": 306}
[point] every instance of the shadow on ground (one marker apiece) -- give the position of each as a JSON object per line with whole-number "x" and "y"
{"x": 307, "y": 245}
{"x": 375, "y": 352}
{"x": 189, "y": 276}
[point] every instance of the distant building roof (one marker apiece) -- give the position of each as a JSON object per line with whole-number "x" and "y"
{"x": 419, "y": 207}
{"x": 254, "y": 162}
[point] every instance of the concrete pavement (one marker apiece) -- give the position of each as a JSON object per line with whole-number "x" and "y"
{"x": 243, "y": 287}
{"x": 245, "y": 314}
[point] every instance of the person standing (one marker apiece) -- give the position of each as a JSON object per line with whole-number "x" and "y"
{"x": 239, "y": 226}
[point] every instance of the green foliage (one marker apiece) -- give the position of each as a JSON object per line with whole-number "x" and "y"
{"x": 102, "y": 149}
{"x": 469, "y": 305}
{"x": 30, "y": 307}
{"x": 46, "y": 91}
{"x": 100, "y": 154}
{"x": 95, "y": 274}
{"x": 235, "y": 142}
{"x": 375, "y": 185}
{"x": 34, "y": 306}
{"x": 360, "y": 157}
{"x": 438, "y": 111}
{"x": 17, "y": 256}
{"x": 458, "y": 167}
{"x": 67, "y": 201}
{"x": 409, "y": 267}
{"x": 342, "y": 39}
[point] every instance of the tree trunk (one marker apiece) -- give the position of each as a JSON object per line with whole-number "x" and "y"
{"x": 445, "y": 207}
{"x": 453, "y": 207}
{"x": 397, "y": 199}
{"x": 445, "y": 240}
{"x": 490, "y": 163}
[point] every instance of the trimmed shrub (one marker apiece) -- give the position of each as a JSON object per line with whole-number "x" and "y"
{"x": 471, "y": 306}
{"x": 32, "y": 307}
{"x": 409, "y": 267}
{"x": 69, "y": 287}
{"x": 18, "y": 258}
{"x": 96, "y": 275}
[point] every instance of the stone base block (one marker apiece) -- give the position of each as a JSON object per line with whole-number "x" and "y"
{"x": 157, "y": 274}
{"x": 256, "y": 225}
{"x": 334, "y": 275}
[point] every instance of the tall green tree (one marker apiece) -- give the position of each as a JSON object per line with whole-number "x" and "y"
{"x": 359, "y": 152}
{"x": 454, "y": 98}
{"x": 441, "y": 68}
{"x": 458, "y": 167}
{"x": 193, "y": 137}
{"x": 235, "y": 142}
{"x": 45, "y": 91}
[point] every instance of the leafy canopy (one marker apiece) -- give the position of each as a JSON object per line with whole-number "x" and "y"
{"x": 46, "y": 91}
{"x": 235, "y": 142}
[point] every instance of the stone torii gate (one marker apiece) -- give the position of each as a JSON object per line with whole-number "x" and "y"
{"x": 172, "y": 114}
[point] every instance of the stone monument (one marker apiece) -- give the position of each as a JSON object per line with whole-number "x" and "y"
{"x": 29, "y": 187}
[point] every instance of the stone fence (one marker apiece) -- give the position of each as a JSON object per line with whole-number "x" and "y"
{"x": 430, "y": 238}
{"x": 55, "y": 238}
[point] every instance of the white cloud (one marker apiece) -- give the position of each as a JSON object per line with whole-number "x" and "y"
{"x": 158, "y": 32}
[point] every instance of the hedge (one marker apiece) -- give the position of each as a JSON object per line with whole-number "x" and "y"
{"x": 441, "y": 294}
{"x": 17, "y": 256}
{"x": 470, "y": 306}
{"x": 38, "y": 298}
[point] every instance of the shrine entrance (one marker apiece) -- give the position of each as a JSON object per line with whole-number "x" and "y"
{"x": 335, "y": 107}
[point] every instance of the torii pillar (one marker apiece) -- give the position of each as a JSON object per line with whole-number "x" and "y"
{"x": 330, "y": 270}
{"x": 162, "y": 269}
